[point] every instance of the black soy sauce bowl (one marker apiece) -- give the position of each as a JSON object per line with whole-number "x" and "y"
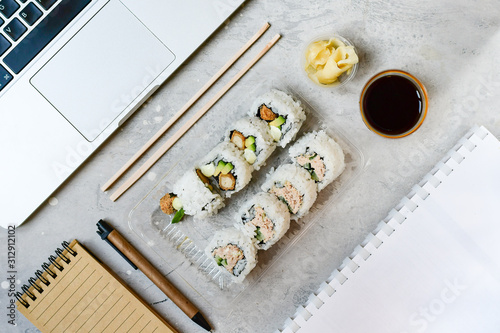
{"x": 387, "y": 115}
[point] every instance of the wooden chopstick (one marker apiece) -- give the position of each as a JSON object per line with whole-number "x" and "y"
{"x": 170, "y": 142}
{"x": 189, "y": 103}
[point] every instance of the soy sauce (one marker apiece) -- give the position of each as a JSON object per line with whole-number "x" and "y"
{"x": 392, "y": 105}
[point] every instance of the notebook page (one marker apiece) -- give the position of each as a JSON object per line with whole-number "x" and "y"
{"x": 86, "y": 297}
{"x": 438, "y": 270}
{"x": 476, "y": 189}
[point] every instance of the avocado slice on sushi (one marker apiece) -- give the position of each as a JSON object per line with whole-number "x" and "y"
{"x": 249, "y": 141}
{"x": 228, "y": 167}
{"x": 238, "y": 139}
{"x": 278, "y": 121}
{"x": 219, "y": 168}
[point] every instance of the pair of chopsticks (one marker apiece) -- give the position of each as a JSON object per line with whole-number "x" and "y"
{"x": 171, "y": 141}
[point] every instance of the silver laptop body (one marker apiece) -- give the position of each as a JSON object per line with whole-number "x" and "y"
{"x": 96, "y": 70}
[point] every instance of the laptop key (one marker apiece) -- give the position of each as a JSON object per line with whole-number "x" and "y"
{"x": 5, "y": 77}
{"x": 43, "y": 33}
{"x": 46, "y": 4}
{"x": 15, "y": 29}
{"x": 1, "y": 21}
{"x": 30, "y": 13}
{"x": 4, "y": 44}
{"x": 8, "y": 7}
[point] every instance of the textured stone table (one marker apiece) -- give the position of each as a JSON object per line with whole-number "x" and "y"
{"x": 452, "y": 46}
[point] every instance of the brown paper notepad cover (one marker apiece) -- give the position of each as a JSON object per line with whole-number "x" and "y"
{"x": 86, "y": 296}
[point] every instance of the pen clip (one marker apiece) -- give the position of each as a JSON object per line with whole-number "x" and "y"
{"x": 104, "y": 229}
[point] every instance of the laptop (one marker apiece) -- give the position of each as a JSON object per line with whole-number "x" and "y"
{"x": 72, "y": 71}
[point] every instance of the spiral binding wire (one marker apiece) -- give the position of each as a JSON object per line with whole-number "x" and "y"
{"x": 26, "y": 290}
{"x": 60, "y": 254}
{"x": 39, "y": 276}
{"x": 32, "y": 282}
{"x": 36, "y": 281}
{"x": 53, "y": 261}
{"x": 386, "y": 227}
{"x": 67, "y": 248}
{"x": 46, "y": 268}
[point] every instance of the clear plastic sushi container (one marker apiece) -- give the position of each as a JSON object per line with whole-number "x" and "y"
{"x": 181, "y": 245}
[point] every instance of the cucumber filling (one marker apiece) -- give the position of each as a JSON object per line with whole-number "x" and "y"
{"x": 220, "y": 261}
{"x": 314, "y": 164}
{"x": 275, "y": 133}
{"x": 258, "y": 235}
{"x": 249, "y": 156}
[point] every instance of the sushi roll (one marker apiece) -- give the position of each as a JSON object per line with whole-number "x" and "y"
{"x": 225, "y": 168}
{"x": 320, "y": 155}
{"x": 233, "y": 252}
{"x": 251, "y": 135}
{"x": 292, "y": 185}
{"x": 265, "y": 219}
{"x": 196, "y": 196}
{"x": 283, "y": 115}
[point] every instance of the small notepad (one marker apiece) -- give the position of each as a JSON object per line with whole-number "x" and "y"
{"x": 433, "y": 265}
{"x": 77, "y": 293}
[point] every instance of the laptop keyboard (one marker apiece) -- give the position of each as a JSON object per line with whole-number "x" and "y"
{"x": 26, "y": 27}
{"x": 30, "y": 14}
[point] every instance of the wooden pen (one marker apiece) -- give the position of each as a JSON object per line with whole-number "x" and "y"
{"x": 137, "y": 260}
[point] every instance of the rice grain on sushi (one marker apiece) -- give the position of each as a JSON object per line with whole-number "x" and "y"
{"x": 251, "y": 135}
{"x": 233, "y": 252}
{"x": 225, "y": 168}
{"x": 320, "y": 155}
{"x": 264, "y": 218}
{"x": 292, "y": 185}
{"x": 197, "y": 197}
{"x": 283, "y": 114}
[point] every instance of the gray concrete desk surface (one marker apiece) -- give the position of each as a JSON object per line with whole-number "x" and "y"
{"x": 453, "y": 46}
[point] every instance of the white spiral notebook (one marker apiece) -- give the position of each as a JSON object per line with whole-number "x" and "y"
{"x": 432, "y": 265}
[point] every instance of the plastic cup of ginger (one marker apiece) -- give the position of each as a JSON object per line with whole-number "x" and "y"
{"x": 329, "y": 60}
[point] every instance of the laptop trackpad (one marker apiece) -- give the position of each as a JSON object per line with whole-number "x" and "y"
{"x": 102, "y": 69}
